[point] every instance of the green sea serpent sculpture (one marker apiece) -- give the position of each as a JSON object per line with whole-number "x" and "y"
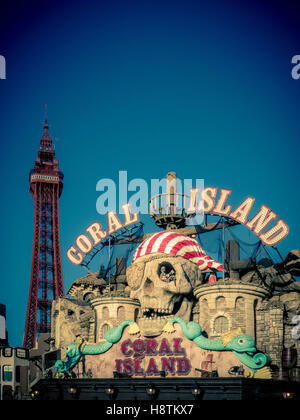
{"x": 76, "y": 350}
{"x": 242, "y": 345}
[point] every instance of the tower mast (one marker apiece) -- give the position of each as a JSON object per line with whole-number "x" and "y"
{"x": 46, "y": 280}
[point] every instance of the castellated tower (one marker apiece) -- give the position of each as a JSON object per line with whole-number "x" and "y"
{"x": 227, "y": 305}
{"x": 94, "y": 305}
{"x": 110, "y": 311}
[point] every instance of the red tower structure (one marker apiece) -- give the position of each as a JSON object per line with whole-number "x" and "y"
{"x": 46, "y": 282}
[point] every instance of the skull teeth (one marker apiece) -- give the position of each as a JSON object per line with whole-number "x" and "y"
{"x": 154, "y": 313}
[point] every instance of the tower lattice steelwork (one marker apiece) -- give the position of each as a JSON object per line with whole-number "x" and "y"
{"x": 46, "y": 282}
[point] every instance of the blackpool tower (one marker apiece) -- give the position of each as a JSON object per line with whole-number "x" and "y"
{"x": 46, "y": 281}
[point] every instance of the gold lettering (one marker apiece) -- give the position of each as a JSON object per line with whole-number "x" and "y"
{"x": 219, "y": 209}
{"x": 207, "y": 201}
{"x": 276, "y": 234}
{"x": 96, "y": 232}
{"x": 128, "y": 219}
{"x": 241, "y": 213}
{"x": 261, "y": 220}
{"x": 84, "y": 244}
{"x": 114, "y": 223}
{"x": 74, "y": 255}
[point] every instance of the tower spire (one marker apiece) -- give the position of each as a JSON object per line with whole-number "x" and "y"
{"x": 46, "y": 141}
{"x": 46, "y": 281}
{"x": 46, "y": 125}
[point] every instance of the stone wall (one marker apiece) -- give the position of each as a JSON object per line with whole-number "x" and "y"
{"x": 270, "y": 329}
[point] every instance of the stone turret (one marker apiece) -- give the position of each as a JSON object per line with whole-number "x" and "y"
{"x": 110, "y": 311}
{"x": 227, "y": 305}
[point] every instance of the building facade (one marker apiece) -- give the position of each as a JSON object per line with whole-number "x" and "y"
{"x": 14, "y": 367}
{"x": 221, "y": 306}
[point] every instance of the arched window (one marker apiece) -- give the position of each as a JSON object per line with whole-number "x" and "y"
{"x": 105, "y": 313}
{"x": 88, "y": 297}
{"x": 221, "y": 325}
{"x": 121, "y": 313}
{"x": 136, "y": 314}
{"x": 105, "y": 328}
{"x": 220, "y": 303}
{"x": 204, "y": 305}
{"x": 239, "y": 303}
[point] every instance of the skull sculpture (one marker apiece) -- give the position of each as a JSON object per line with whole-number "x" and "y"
{"x": 165, "y": 269}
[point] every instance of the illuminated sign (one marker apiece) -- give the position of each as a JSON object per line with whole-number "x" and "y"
{"x": 95, "y": 234}
{"x": 257, "y": 224}
{"x": 208, "y": 203}
{"x": 169, "y": 357}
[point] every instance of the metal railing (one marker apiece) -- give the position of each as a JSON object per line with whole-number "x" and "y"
{"x": 168, "y": 204}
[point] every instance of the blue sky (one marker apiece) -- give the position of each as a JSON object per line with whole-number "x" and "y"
{"x": 200, "y": 88}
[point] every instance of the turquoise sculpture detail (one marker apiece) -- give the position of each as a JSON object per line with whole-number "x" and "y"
{"x": 75, "y": 351}
{"x": 242, "y": 345}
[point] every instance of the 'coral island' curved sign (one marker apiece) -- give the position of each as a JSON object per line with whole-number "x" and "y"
{"x": 208, "y": 203}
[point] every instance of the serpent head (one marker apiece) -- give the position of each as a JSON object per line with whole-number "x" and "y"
{"x": 73, "y": 354}
{"x": 242, "y": 343}
{"x": 72, "y": 351}
{"x": 60, "y": 366}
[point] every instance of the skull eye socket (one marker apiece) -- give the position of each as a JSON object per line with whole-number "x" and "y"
{"x": 166, "y": 272}
{"x": 134, "y": 275}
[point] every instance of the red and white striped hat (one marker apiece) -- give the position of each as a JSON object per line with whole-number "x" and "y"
{"x": 176, "y": 244}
